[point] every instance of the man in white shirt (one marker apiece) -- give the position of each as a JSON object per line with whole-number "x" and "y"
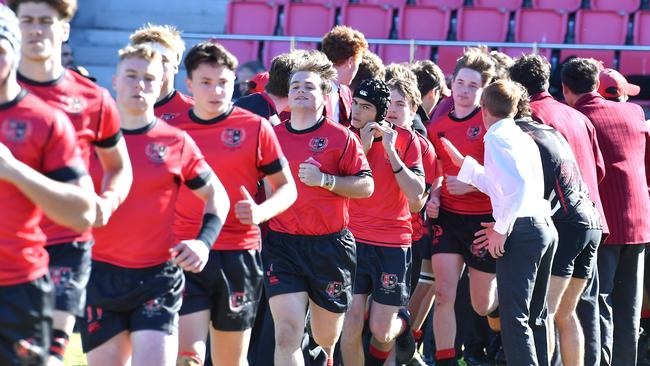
{"x": 523, "y": 237}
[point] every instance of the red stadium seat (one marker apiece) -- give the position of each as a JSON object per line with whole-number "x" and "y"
{"x": 410, "y": 27}
{"x": 515, "y": 52}
{"x": 244, "y": 50}
{"x": 251, "y": 18}
{"x": 598, "y": 27}
{"x": 568, "y": 6}
{"x": 374, "y": 21}
{"x": 527, "y": 30}
{"x": 447, "y": 57}
{"x": 386, "y": 3}
{"x": 476, "y": 24}
{"x": 443, "y": 4}
{"x": 509, "y": 5}
{"x": 308, "y": 19}
{"x": 638, "y": 62}
{"x": 628, "y": 6}
{"x": 274, "y": 48}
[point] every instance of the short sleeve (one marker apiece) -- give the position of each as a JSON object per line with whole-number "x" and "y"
{"x": 353, "y": 161}
{"x": 270, "y": 159}
{"x": 195, "y": 171}
{"x": 62, "y": 159}
{"x": 432, "y": 135}
{"x": 108, "y": 132}
{"x": 429, "y": 161}
{"x": 412, "y": 154}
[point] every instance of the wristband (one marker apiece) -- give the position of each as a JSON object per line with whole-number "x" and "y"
{"x": 210, "y": 229}
{"x": 328, "y": 181}
{"x": 398, "y": 170}
{"x": 322, "y": 180}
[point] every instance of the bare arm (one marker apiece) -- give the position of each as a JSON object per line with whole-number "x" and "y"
{"x": 116, "y": 184}
{"x": 281, "y": 193}
{"x": 67, "y": 204}
{"x": 410, "y": 183}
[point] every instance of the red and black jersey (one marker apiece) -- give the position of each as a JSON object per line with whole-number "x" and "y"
{"x": 41, "y": 137}
{"x": 345, "y": 106}
{"x": 175, "y": 105}
{"x": 384, "y": 218}
{"x": 318, "y": 211}
{"x": 242, "y": 148}
{"x": 430, "y": 166}
{"x": 95, "y": 118}
{"x": 139, "y": 233}
{"x": 467, "y": 135}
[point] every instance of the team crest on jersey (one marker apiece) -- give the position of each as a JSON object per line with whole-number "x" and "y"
{"x": 334, "y": 289}
{"x": 318, "y": 144}
{"x": 237, "y": 301}
{"x": 388, "y": 281}
{"x": 73, "y": 104}
{"x": 16, "y": 131}
{"x": 169, "y": 116}
{"x": 473, "y": 132}
{"x": 152, "y": 307}
{"x": 156, "y": 152}
{"x": 233, "y": 137}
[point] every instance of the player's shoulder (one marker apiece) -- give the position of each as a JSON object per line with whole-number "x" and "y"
{"x": 183, "y": 99}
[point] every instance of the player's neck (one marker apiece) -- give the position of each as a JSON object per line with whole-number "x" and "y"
{"x": 302, "y": 119}
{"x": 129, "y": 121}
{"x": 166, "y": 89}
{"x": 10, "y": 89}
{"x": 207, "y": 115}
{"x": 41, "y": 71}
{"x": 280, "y": 103}
{"x": 462, "y": 112}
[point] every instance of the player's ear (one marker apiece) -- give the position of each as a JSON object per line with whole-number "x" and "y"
{"x": 188, "y": 83}
{"x": 66, "y": 31}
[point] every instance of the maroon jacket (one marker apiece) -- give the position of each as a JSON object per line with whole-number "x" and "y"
{"x": 580, "y": 133}
{"x": 623, "y": 137}
{"x": 345, "y": 106}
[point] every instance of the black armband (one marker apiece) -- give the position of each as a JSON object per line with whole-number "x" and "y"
{"x": 210, "y": 229}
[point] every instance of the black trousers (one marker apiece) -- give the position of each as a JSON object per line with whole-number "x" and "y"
{"x": 620, "y": 270}
{"x": 523, "y": 275}
{"x": 589, "y": 317}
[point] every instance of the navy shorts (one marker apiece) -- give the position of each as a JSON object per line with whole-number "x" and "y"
{"x": 323, "y": 266}
{"x": 128, "y": 299}
{"x": 26, "y": 322}
{"x": 230, "y": 286}
{"x": 457, "y": 237}
{"x": 576, "y": 251}
{"x": 70, "y": 271}
{"x": 384, "y": 272}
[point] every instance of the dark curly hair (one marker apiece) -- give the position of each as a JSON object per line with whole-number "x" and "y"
{"x": 581, "y": 75}
{"x": 531, "y": 71}
{"x": 208, "y": 52}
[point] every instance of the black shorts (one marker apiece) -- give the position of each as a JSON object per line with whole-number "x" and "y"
{"x": 128, "y": 299}
{"x": 26, "y": 322}
{"x": 230, "y": 286}
{"x": 70, "y": 271}
{"x": 457, "y": 237}
{"x": 576, "y": 251}
{"x": 420, "y": 250}
{"x": 384, "y": 272}
{"x": 323, "y": 266}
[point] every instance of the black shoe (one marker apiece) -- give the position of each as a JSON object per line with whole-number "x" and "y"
{"x": 405, "y": 342}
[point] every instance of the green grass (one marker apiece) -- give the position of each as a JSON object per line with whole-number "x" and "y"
{"x": 74, "y": 356}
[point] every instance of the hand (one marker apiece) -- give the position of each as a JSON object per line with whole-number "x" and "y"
{"x": 433, "y": 207}
{"x": 456, "y": 187}
{"x": 7, "y": 162}
{"x": 388, "y": 138}
{"x": 367, "y": 134}
{"x": 455, "y": 155}
{"x": 309, "y": 174}
{"x": 105, "y": 205}
{"x": 246, "y": 210}
{"x": 496, "y": 241}
{"x": 191, "y": 255}
{"x": 481, "y": 240}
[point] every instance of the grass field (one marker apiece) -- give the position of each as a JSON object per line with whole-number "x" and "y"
{"x": 74, "y": 356}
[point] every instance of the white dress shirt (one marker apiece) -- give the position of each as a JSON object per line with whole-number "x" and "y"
{"x": 334, "y": 100}
{"x": 512, "y": 175}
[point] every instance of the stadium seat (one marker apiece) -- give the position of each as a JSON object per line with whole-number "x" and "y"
{"x": 627, "y": 6}
{"x": 598, "y": 27}
{"x": 638, "y": 62}
{"x": 509, "y": 5}
{"x": 446, "y": 58}
{"x": 477, "y": 24}
{"x": 308, "y": 19}
{"x": 568, "y": 6}
{"x": 443, "y": 4}
{"x": 385, "y": 3}
{"x": 244, "y": 50}
{"x": 410, "y": 27}
{"x": 274, "y": 48}
{"x": 251, "y": 18}
{"x": 374, "y": 21}
{"x": 553, "y": 31}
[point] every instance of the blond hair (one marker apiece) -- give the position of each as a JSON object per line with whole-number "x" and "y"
{"x": 477, "y": 59}
{"x": 408, "y": 89}
{"x": 139, "y": 51}
{"x": 317, "y": 63}
{"x": 167, "y": 35}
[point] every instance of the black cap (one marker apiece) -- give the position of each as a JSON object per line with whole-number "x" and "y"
{"x": 376, "y": 92}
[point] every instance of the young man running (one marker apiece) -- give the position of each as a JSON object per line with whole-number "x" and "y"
{"x": 134, "y": 298}
{"x": 40, "y": 173}
{"x": 242, "y": 148}
{"x": 381, "y": 225}
{"x": 310, "y": 253}
{"x": 166, "y": 39}
{"x": 45, "y": 26}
